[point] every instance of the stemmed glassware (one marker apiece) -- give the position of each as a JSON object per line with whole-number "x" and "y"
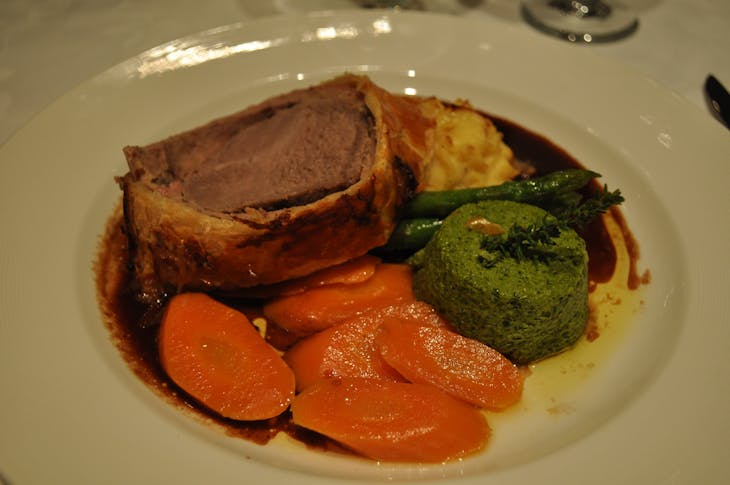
{"x": 583, "y": 21}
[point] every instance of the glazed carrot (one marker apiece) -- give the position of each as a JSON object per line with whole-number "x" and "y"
{"x": 460, "y": 366}
{"x": 214, "y": 354}
{"x": 356, "y": 270}
{"x": 348, "y": 349}
{"x": 392, "y": 421}
{"x": 318, "y": 308}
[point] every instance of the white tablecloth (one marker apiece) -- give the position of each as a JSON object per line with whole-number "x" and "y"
{"x": 49, "y": 46}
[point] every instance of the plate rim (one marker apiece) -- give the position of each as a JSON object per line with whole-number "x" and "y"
{"x": 11, "y": 146}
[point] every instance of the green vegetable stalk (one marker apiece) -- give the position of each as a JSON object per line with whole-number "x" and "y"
{"x": 439, "y": 204}
{"x": 423, "y": 216}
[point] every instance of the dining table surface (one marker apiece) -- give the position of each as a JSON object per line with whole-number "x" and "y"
{"x": 49, "y": 46}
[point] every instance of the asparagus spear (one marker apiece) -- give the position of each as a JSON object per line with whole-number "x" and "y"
{"x": 412, "y": 234}
{"x": 423, "y": 216}
{"x": 439, "y": 204}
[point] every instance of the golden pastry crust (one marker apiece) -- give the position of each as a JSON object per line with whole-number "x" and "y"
{"x": 178, "y": 246}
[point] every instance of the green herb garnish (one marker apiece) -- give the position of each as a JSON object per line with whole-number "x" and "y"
{"x": 521, "y": 242}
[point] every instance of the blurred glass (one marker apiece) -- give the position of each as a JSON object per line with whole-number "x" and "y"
{"x": 582, "y": 21}
{"x": 405, "y": 4}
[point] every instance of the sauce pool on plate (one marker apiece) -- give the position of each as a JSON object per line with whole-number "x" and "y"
{"x": 133, "y": 326}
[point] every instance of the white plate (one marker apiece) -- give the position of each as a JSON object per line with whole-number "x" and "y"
{"x": 72, "y": 412}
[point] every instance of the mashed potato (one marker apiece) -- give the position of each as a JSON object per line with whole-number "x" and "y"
{"x": 468, "y": 149}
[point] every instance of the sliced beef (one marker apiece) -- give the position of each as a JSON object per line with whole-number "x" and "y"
{"x": 299, "y": 182}
{"x": 291, "y": 151}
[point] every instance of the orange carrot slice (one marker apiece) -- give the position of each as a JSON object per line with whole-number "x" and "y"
{"x": 214, "y": 354}
{"x": 392, "y": 421}
{"x": 460, "y": 366}
{"x": 318, "y": 308}
{"x": 348, "y": 349}
{"x": 356, "y": 270}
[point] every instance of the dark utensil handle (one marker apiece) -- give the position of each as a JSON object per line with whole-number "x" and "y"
{"x": 718, "y": 99}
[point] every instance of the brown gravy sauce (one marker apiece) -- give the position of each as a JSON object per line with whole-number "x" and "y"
{"x": 133, "y": 326}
